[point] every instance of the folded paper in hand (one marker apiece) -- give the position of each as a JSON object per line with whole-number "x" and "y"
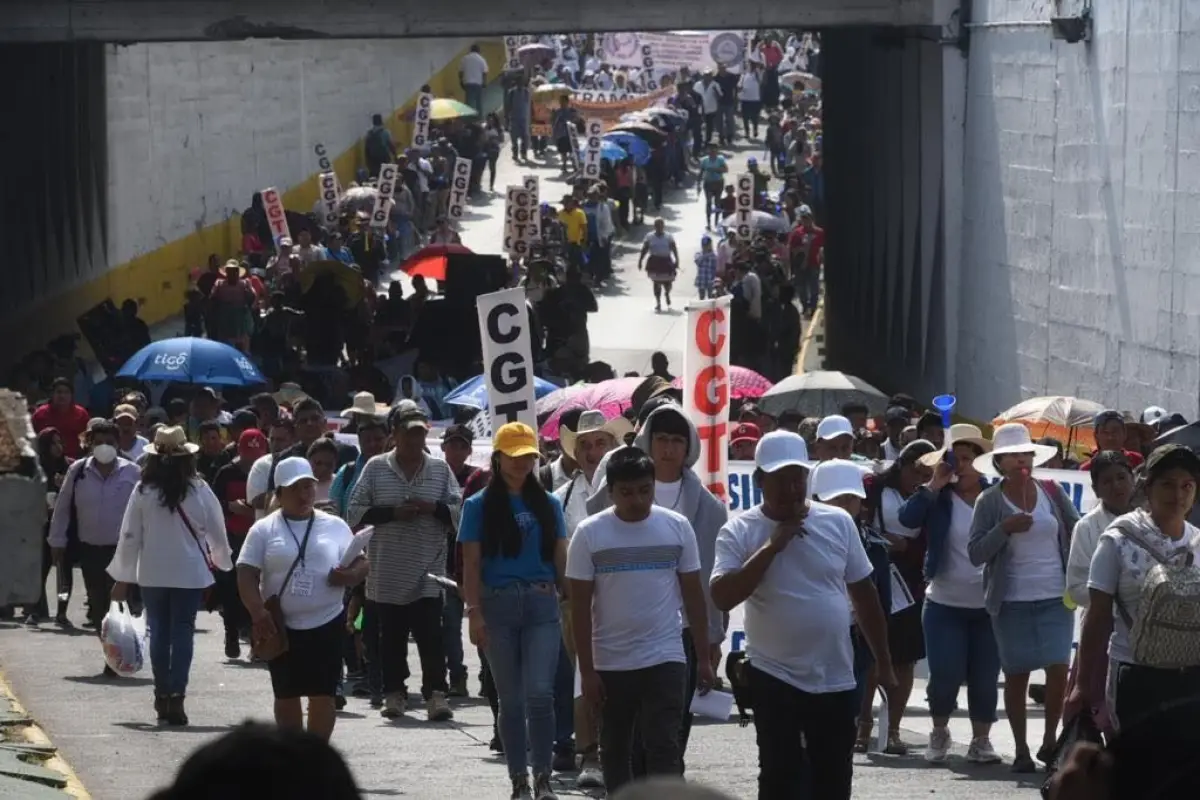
{"x": 357, "y": 547}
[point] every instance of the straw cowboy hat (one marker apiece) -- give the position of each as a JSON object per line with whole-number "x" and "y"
{"x": 170, "y": 441}
{"x": 594, "y": 422}
{"x": 234, "y": 264}
{"x": 960, "y": 433}
{"x": 289, "y": 394}
{"x": 1011, "y": 439}
{"x": 364, "y": 403}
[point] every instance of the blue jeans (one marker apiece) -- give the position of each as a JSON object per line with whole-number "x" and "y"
{"x": 474, "y": 94}
{"x": 171, "y": 618}
{"x": 452, "y": 617}
{"x": 523, "y": 652}
{"x": 961, "y": 648}
{"x": 564, "y": 703}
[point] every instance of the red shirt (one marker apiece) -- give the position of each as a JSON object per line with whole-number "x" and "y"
{"x": 772, "y": 54}
{"x": 813, "y": 240}
{"x": 71, "y": 423}
{"x": 1134, "y": 458}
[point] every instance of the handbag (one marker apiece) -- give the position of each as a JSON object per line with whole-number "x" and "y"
{"x": 272, "y": 647}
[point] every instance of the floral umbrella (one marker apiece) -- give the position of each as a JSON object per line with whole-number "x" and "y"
{"x": 744, "y": 384}
{"x": 549, "y": 404}
{"x": 610, "y": 397}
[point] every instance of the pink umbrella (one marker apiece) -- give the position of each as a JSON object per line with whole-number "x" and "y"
{"x": 744, "y": 384}
{"x": 550, "y": 403}
{"x": 610, "y": 397}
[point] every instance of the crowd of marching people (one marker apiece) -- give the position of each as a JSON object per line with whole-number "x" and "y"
{"x": 614, "y": 560}
{"x": 601, "y": 558}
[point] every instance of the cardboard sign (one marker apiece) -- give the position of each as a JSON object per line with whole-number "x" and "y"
{"x": 460, "y": 184}
{"x": 507, "y": 357}
{"x": 324, "y": 164}
{"x": 594, "y": 128}
{"x": 327, "y": 183}
{"x": 383, "y": 200}
{"x": 519, "y": 214}
{"x": 647, "y": 66}
{"x": 744, "y": 206}
{"x": 422, "y": 117}
{"x": 512, "y": 44}
{"x": 608, "y": 106}
{"x": 706, "y": 388}
{"x": 531, "y": 185}
{"x": 276, "y": 218}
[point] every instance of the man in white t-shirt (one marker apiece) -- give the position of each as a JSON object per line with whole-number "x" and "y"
{"x": 260, "y": 485}
{"x": 632, "y": 569}
{"x": 794, "y": 563}
{"x": 472, "y": 74}
{"x": 710, "y": 95}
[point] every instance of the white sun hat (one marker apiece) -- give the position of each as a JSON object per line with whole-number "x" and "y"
{"x": 960, "y": 433}
{"x": 1009, "y": 439}
{"x": 837, "y": 477}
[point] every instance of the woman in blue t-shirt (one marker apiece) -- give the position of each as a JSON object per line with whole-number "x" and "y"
{"x": 514, "y": 550}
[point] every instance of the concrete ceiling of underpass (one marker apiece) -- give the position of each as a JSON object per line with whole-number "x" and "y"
{"x": 193, "y": 20}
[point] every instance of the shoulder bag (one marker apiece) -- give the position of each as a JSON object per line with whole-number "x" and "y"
{"x": 275, "y": 645}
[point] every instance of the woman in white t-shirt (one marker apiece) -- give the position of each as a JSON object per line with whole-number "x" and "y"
{"x": 1132, "y": 546}
{"x": 295, "y": 553}
{"x": 959, "y": 643}
{"x": 1020, "y": 532}
{"x": 886, "y": 493}
{"x": 662, "y": 262}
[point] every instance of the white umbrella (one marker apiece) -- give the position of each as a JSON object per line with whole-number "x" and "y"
{"x": 819, "y": 394}
{"x": 1067, "y": 412}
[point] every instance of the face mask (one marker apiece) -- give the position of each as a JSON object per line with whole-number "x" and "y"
{"x": 104, "y": 453}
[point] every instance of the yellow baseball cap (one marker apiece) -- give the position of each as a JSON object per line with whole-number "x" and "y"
{"x": 516, "y": 439}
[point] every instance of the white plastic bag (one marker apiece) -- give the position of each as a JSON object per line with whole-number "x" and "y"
{"x": 124, "y": 639}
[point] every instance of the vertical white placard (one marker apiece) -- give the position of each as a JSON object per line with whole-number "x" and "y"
{"x": 504, "y": 329}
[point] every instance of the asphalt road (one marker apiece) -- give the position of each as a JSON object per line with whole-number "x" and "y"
{"x": 105, "y": 728}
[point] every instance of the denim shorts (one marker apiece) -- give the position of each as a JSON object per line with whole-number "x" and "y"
{"x": 1033, "y": 634}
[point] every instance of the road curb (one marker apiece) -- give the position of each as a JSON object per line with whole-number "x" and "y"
{"x": 31, "y": 733}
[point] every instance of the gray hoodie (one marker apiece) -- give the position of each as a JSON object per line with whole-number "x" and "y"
{"x": 702, "y": 508}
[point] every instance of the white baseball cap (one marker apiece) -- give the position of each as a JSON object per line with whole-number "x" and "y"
{"x": 1153, "y": 414}
{"x": 292, "y": 470}
{"x": 837, "y": 477}
{"x": 834, "y": 426}
{"x": 779, "y": 449}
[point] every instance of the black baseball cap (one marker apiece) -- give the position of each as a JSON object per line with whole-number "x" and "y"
{"x": 460, "y": 432}
{"x": 1172, "y": 456}
{"x": 1105, "y": 417}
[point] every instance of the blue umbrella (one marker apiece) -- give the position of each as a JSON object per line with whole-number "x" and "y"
{"x": 609, "y": 150}
{"x": 474, "y": 393}
{"x": 635, "y": 145}
{"x": 191, "y": 360}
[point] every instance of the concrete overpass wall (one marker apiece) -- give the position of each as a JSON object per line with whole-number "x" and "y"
{"x": 1081, "y": 219}
{"x": 193, "y": 129}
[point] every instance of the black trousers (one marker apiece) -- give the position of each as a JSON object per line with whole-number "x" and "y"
{"x": 423, "y": 619}
{"x": 797, "y": 729}
{"x": 685, "y": 727}
{"x": 648, "y": 701}
{"x": 1142, "y": 690}
{"x": 234, "y": 614}
{"x": 710, "y": 125}
{"x": 93, "y": 563}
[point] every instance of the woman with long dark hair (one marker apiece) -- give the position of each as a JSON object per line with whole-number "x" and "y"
{"x": 172, "y": 538}
{"x": 54, "y": 463}
{"x": 513, "y": 536}
{"x": 885, "y": 495}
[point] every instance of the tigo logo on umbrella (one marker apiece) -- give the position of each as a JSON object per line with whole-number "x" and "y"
{"x": 171, "y": 362}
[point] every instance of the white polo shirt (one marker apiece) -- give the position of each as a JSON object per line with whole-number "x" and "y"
{"x": 798, "y": 619}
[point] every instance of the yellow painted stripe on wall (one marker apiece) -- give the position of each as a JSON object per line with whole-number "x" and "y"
{"x": 159, "y": 278}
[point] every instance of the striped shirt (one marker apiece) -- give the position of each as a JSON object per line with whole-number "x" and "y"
{"x": 402, "y": 552}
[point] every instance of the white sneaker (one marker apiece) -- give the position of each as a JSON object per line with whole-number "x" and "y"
{"x": 939, "y": 745}
{"x": 437, "y": 709}
{"x": 982, "y": 752}
{"x": 394, "y": 705}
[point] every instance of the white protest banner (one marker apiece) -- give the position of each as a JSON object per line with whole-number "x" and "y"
{"x": 383, "y": 200}
{"x": 507, "y": 357}
{"x": 519, "y": 212}
{"x": 327, "y": 183}
{"x": 276, "y": 217}
{"x": 673, "y": 51}
{"x": 706, "y": 388}
{"x": 422, "y": 116}
{"x": 324, "y": 164}
{"x": 460, "y": 185}
{"x": 512, "y": 44}
{"x": 594, "y": 129}
{"x": 744, "y": 206}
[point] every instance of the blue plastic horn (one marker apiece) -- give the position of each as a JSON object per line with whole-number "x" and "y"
{"x": 945, "y": 404}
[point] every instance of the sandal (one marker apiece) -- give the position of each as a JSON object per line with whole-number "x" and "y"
{"x": 895, "y": 747}
{"x": 862, "y": 743}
